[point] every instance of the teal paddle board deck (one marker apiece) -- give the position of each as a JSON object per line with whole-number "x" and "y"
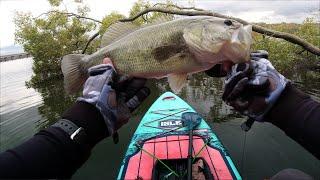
{"x": 159, "y": 147}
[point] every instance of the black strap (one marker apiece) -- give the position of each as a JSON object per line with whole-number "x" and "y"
{"x": 66, "y": 125}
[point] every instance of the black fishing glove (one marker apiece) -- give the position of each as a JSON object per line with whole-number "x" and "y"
{"x": 216, "y": 71}
{"x": 252, "y": 88}
{"x": 114, "y": 98}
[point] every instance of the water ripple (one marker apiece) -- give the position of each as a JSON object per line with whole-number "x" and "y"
{"x": 18, "y": 105}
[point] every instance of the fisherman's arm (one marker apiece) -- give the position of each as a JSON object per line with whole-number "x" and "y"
{"x": 51, "y": 153}
{"x": 258, "y": 91}
{"x": 298, "y": 115}
{"x": 57, "y": 151}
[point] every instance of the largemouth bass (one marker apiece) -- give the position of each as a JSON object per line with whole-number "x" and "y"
{"x": 170, "y": 49}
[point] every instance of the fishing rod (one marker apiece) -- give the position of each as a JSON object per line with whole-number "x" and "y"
{"x": 191, "y": 120}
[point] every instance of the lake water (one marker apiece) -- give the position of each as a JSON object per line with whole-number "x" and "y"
{"x": 258, "y": 154}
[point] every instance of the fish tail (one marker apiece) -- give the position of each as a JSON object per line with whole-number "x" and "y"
{"x": 74, "y": 76}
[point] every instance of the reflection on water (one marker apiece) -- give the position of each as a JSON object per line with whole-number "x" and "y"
{"x": 266, "y": 151}
{"x": 18, "y": 105}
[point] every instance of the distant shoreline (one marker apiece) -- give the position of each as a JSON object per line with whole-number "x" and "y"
{"x": 11, "y": 57}
{"x": 11, "y": 50}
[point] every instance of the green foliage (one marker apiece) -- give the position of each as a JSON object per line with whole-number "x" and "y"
{"x": 287, "y": 56}
{"x": 50, "y": 37}
{"x": 55, "y": 2}
{"x": 137, "y": 7}
{"x": 141, "y": 5}
{"x": 310, "y": 31}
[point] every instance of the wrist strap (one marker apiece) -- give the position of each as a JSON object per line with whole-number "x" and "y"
{"x": 67, "y": 126}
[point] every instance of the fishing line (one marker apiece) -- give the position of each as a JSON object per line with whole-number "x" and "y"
{"x": 243, "y": 151}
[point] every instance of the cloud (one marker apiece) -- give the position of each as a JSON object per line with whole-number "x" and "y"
{"x": 261, "y": 11}
{"x": 285, "y": 10}
{"x": 288, "y": 11}
{"x": 283, "y": 7}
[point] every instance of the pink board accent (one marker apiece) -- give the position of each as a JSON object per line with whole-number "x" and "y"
{"x": 132, "y": 170}
{"x": 177, "y": 147}
{"x": 146, "y": 160}
{"x": 161, "y": 148}
{"x": 219, "y": 164}
{"x": 173, "y": 147}
{"x": 184, "y": 144}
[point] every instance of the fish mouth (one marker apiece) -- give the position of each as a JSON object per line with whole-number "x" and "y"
{"x": 238, "y": 49}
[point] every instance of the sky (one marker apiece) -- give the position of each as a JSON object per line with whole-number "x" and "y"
{"x": 253, "y": 11}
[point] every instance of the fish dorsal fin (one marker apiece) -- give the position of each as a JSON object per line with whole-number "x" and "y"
{"x": 159, "y": 20}
{"x": 177, "y": 82}
{"x": 116, "y": 31}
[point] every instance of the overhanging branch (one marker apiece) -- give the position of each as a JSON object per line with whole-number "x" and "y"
{"x": 79, "y": 17}
{"x": 89, "y": 41}
{"x": 177, "y": 7}
{"x": 70, "y": 15}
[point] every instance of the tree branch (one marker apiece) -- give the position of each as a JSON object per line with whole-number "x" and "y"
{"x": 69, "y": 15}
{"x": 259, "y": 29}
{"x": 89, "y": 41}
{"x": 178, "y": 7}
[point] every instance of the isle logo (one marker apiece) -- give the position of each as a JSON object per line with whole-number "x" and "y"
{"x": 171, "y": 123}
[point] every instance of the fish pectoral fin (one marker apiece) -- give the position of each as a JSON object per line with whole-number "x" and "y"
{"x": 117, "y": 31}
{"x": 165, "y": 52}
{"x": 177, "y": 82}
{"x": 74, "y": 77}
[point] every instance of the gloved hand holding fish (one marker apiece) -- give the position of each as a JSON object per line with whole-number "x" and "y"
{"x": 164, "y": 48}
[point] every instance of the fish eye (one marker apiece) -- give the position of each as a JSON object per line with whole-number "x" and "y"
{"x": 228, "y": 22}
